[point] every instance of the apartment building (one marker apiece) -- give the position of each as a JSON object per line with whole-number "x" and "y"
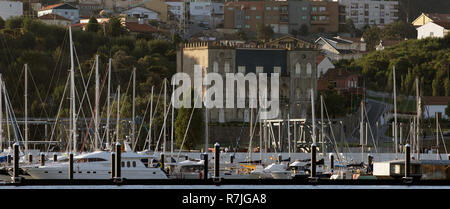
{"x": 371, "y": 12}
{"x": 246, "y": 15}
{"x": 324, "y": 16}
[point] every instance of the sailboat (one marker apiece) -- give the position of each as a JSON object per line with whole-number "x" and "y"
{"x": 95, "y": 165}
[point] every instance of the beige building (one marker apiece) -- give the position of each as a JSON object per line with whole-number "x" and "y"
{"x": 294, "y": 60}
{"x": 158, "y": 6}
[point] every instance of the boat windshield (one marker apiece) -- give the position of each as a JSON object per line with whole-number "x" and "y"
{"x": 191, "y": 168}
{"x": 88, "y": 160}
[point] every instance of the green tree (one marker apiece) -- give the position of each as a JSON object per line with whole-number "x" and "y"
{"x": 92, "y": 25}
{"x": 372, "y": 37}
{"x": 264, "y": 32}
{"x": 194, "y": 134}
{"x": 2, "y": 23}
{"x": 114, "y": 27}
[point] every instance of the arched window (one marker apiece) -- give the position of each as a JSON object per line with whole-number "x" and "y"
{"x": 297, "y": 68}
{"x": 216, "y": 67}
{"x": 308, "y": 69}
{"x": 128, "y": 164}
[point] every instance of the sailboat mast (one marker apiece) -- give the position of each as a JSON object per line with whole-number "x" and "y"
{"x": 26, "y": 108}
{"x": 361, "y": 131}
{"x": 72, "y": 94}
{"x": 1, "y": 114}
{"x": 151, "y": 118}
{"x": 313, "y": 118}
{"x": 173, "y": 115}
{"x": 118, "y": 114}
{"x": 321, "y": 125}
{"x": 418, "y": 119}
{"x": 395, "y": 115}
{"x": 97, "y": 136}
{"x": 165, "y": 112}
{"x": 108, "y": 102}
{"x": 133, "y": 122}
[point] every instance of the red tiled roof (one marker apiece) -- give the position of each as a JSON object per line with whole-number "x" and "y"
{"x": 436, "y": 100}
{"x": 51, "y": 6}
{"x": 141, "y": 28}
{"x": 445, "y": 25}
{"x": 53, "y": 17}
{"x": 438, "y": 17}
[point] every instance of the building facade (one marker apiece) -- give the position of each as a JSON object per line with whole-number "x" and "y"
{"x": 338, "y": 48}
{"x": 142, "y": 13}
{"x": 433, "y": 30}
{"x": 296, "y": 66}
{"x": 10, "y": 9}
{"x": 63, "y": 9}
{"x": 371, "y": 12}
{"x": 247, "y": 15}
{"x": 324, "y": 16}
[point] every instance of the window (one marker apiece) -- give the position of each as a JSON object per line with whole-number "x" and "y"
{"x": 134, "y": 164}
{"x": 297, "y": 68}
{"x": 381, "y": 6}
{"x": 253, "y": 8}
{"x": 366, "y": 6}
{"x": 366, "y": 13}
{"x": 227, "y": 67}
{"x": 304, "y": 8}
{"x": 308, "y": 69}
{"x": 247, "y": 17}
{"x": 123, "y": 164}
{"x": 314, "y": 18}
{"x": 259, "y": 69}
{"x": 322, "y": 17}
{"x": 216, "y": 67}
{"x": 230, "y": 8}
{"x": 258, "y": 17}
{"x": 268, "y": 8}
{"x": 247, "y": 26}
{"x": 314, "y": 9}
{"x": 322, "y": 9}
{"x": 354, "y": 5}
{"x": 241, "y": 69}
{"x": 128, "y": 164}
{"x": 431, "y": 34}
{"x": 275, "y": 8}
{"x": 304, "y": 17}
{"x": 238, "y": 26}
{"x": 381, "y": 21}
{"x": 277, "y": 69}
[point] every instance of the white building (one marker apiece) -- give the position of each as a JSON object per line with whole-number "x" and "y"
{"x": 433, "y": 29}
{"x": 206, "y": 12}
{"x": 338, "y": 48}
{"x": 143, "y": 13}
{"x": 323, "y": 65}
{"x": 177, "y": 7}
{"x": 10, "y": 9}
{"x": 63, "y": 9}
{"x": 371, "y": 12}
{"x": 435, "y": 104}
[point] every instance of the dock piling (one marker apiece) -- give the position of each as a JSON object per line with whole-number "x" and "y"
{"x": 113, "y": 165}
{"x": 8, "y": 159}
{"x": 118, "y": 162}
{"x": 332, "y": 161}
{"x": 280, "y": 158}
{"x": 313, "y": 160}
{"x": 55, "y": 157}
{"x": 205, "y": 168}
{"x": 16, "y": 178}
{"x": 30, "y": 158}
{"x": 42, "y": 159}
{"x": 71, "y": 166}
{"x": 162, "y": 159}
{"x": 407, "y": 160}
{"x": 216, "y": 160}
{"x": 370, "y": 163}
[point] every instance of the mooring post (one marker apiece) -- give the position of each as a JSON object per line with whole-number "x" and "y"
{"x": 407, "y": 160}
{"x": 113, "y": 165}
{"x": 448, "y": 157}
{"x": 71, "y": 166}
{"x": 216, "y": 160}
{"x": 30, "y": 158}
{"x": 280, "y": 158}
{"x": 8, "y": 159}
{"x": 16, "y": 178}
{"x": 42, "y": 159}
{"x": 332, "y": 162}
{"x": 118, "y": 161}
{"x": 55, "y": 157}
{"x": 313, "y": 160}
{"x": 162, "y": 158}
{"x": 231, "y": 159}
{"x": 186, "y": 157}
{"x": 370, "y": 163}
{"x": 206, "y": 164}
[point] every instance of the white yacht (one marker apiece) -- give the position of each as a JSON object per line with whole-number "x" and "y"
{"x": 97, "y": 165}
